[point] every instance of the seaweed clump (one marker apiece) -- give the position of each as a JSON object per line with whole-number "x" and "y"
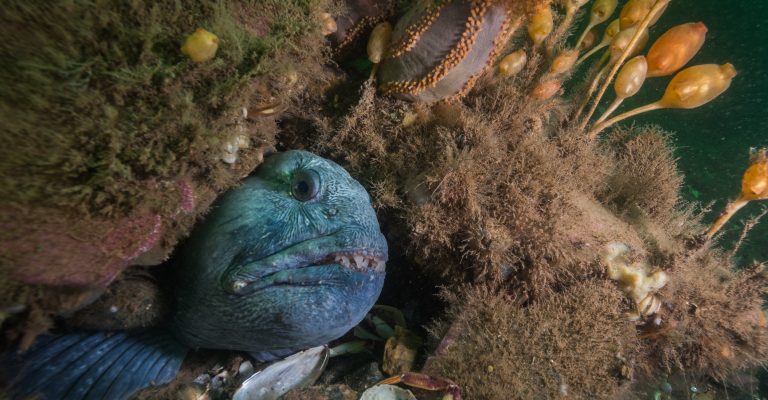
{"x": 585, "y": 319}
{"x": 503, "y": 195}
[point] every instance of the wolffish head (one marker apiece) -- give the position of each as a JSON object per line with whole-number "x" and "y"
{"x": 292, "y": 258}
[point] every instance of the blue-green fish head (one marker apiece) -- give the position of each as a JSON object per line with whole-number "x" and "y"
{"x": 292, "y": 258}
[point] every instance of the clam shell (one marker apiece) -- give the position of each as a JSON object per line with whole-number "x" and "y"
{"x": 299, "y": 370}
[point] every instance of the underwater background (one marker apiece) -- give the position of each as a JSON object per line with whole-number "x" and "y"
{"x": 712, "y": 142}
{"x": 515, "y": 228}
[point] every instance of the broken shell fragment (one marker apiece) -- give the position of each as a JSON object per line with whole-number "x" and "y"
{"x": 649, "y": 305}
{"x": 635, "y": 279}
{"x": 228, "y": 157}
{"x": 400, "y": 351}
{"x": 387, "y": 392}
{"x": 328, "y": 25}
{"x": 268, "y": 110}
{"x": 299, "y": 370}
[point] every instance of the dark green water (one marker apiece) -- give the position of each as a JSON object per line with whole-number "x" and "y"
{"x": 713, "y": 141}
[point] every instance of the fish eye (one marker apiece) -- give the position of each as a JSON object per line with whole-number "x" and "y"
{"x": 305, "y": 185}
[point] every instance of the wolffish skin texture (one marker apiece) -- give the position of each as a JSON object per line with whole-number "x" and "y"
{"x": 259, "y": 273}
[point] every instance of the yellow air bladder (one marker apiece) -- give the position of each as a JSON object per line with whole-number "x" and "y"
{"x": 628, "y": 82}
{"x": 512, "y": 63}
{"x": 541, "y": 25}
{"x": 571, "y": 8}
{"x": 619, "y": 48}
{"x": 635, "y": 11}
{"x": 379, "y": 41}
{"x": 563, "y": 62}
{"x": 590, "y": 39}
{"x": 675, "y": 48}
{"x": 754, "y": 186}
{"x": 640, "y": 30}
{"x": 621, "y": 42}
{"x": 690, "y": 88}
{"x": 546, "y": 89}
{"x": 600, "y": 12}
{"x": 610, "y": 31}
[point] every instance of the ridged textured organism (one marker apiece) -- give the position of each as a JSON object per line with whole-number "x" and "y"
{"x": 439, "y": 49}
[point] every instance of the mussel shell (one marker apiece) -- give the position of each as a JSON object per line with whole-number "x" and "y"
{"x": 299, "y": 370}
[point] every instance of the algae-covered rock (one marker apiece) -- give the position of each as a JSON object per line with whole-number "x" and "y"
{"x": 111, "y": 139}
{"x": 573, "y": 344}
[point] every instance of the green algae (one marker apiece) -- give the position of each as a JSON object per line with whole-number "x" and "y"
{"x": 97, "y": 99}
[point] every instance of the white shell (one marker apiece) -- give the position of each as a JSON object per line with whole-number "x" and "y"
{"x": 387, "y": 392}
{"x": 649, "y": 305}
{"x": 296, "y": 371}
{"x": 229, "y": 158}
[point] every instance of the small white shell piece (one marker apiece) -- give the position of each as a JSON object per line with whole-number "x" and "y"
{"x": 387, "y": 392}
{"x": 638, "y": 280}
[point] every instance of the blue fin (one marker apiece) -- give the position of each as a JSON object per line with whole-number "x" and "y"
{"x": 271, "y": 355}
{"x": 100, "y": 365}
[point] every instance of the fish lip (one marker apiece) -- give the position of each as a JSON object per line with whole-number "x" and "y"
{"x": 306, "y": 254}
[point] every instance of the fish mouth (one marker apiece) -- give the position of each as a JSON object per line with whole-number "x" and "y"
{"x": 306, "y": 263}
{"x": 359, "y": 260}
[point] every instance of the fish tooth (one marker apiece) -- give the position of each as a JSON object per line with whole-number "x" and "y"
{"x": 363, "y": 264}
{"x": 358, "y": 261}
{"x": 344, "y": 261}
